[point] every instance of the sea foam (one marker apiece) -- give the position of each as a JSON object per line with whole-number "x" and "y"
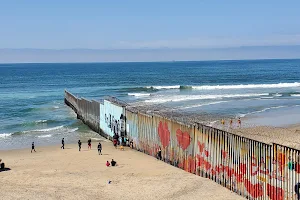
{"x": 178, "y": 98}
{"x": 227, "y": 87}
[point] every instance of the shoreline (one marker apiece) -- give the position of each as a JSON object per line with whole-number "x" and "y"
{"x": 44, "y": 174}
{"x": 283, "y": 135}
{"x": 266, "y": 134}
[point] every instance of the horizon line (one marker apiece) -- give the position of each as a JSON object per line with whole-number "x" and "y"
{"x": 220, "y": 60}
{"x": 151, "y": 48}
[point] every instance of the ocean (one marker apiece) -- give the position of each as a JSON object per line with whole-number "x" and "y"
{"x": 261, "y": 92}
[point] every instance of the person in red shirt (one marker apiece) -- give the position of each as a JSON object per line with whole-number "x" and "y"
{"x": 107, "y": 164}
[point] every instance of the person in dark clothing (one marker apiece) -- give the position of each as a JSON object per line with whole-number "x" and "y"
{"x": 113, "y": 163}
{"x": 63, "y": 143}
{"x": 32, "y": 147}
{"x": 297, "y": 188}
{"x": 89, "y": 144}
{"x": 159, "y": 154}
{"x": 79, "y": 145}
{"x": 2, "y": 165}
{"x": 99, "y": 148}
{"x": 131, "y": 144}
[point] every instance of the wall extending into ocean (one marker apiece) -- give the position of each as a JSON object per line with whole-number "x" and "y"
{"x": 250, "y": 168}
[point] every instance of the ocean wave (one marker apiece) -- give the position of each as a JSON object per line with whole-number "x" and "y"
{"x": 44, "y": 136}
{"x": 38, "y": 130}
{"x": 249, "y": 86}
{"x": 164, "y": 87}
{"x": 224, "y": 87}
{"x": 177, "y": 98}
{"x": 263, "y": 110}
{"x": 4, "y": 135}
{"x": 267, "y": 97}
{"x": 199, "y": 105}
{"x": 41, "y": 121}
{"x": 139, "y": 94}
{"x": 47, "y": 129}
{"x": 72, "y": 130}
{"x": 295, "y": 95}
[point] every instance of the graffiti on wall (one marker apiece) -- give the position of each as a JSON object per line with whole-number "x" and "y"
{"x": 112, "y": 119}
{"x": 115, "y": 124}
{"x": 247, "y": 167}
{"x": 250, "y": 168}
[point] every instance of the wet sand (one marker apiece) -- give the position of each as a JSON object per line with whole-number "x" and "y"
{"x": 52, "y": 173}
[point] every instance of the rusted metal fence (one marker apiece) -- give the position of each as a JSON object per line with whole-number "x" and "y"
{"x": 86, "y": 110}
{"x": 251, "y": 168}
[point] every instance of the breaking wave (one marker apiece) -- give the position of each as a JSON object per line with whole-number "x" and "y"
{"x": 4, "y": 135}
{"x": 263, "y": 110}
{"x": 223, "y": 87}
{"x": 139, "y": 94}
{"x": 44, "y": 136}
{"x": 200, "y": 105}
{"x": 65, "y": 129}
{"x": 177, "y": 98}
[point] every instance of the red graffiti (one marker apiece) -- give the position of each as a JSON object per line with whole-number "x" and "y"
{"x": 201, "y": 147}
{"x": 183, "y": 139}
{"x": 188, "y": 164}
{"x": 164, "y": 134}
{"x": 224, "y": 153}
{"x": 203, "y": 163}
{"x": 255, "y": 190}
{"x": 275, "y": 193}
{"x": 206, "y": 153}
{"x": 243, "y": 168}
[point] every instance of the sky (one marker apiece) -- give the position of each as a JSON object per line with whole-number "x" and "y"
{"x": 137, "y": 24}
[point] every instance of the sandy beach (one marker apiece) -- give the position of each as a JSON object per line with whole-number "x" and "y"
{"x": 52, "y": 173}
{"x": 287, "y": 136}
{"x": 284, "y": 135}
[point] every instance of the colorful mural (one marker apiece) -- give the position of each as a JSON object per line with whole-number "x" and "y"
{"x": 250, "y": 168}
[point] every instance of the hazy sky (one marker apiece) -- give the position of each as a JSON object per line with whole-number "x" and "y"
{"x": 134, "y": 24}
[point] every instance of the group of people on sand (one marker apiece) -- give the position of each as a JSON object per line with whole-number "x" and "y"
{"x": 89, "y": 144}
{"x": 79, "y": 146}
{"x": 112, "y": 163}
{"x": 124, "y": 142}
{"x": 99, "y": 147}
{"x": 231, "y": 122}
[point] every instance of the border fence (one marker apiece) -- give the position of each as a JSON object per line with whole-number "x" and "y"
{"x": 250, "y": 168}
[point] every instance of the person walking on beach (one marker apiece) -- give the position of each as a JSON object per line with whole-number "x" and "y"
{"x": 79, "y": 145}
{"x": 223, "y": 122}
{"x": 32, "y": 147}
{"x": 159, "y": 154}
{"x": 90, "y": 144}
{"x": 63, "y": 143}
{"x": 115, "y": 140}
{"x": 99, "y": 148}
{"x": 240, "y": 122}
{"x": 231, "y": 123}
